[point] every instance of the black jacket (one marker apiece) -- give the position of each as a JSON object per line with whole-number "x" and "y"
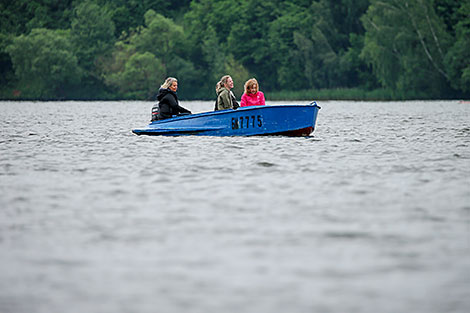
{"x": 168, "y": 103}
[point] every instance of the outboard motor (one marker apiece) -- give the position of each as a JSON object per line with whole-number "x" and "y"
{"x": 155, "y": 112}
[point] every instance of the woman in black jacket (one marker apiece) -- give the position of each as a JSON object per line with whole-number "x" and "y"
{"x": 167, "y": 101}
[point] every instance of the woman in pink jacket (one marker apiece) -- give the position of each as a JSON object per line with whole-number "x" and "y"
{"x": 252, "y": 95}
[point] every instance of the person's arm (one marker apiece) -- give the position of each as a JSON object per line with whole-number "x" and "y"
{"x": 243, "y": 100}
{"x": 235, "y": 104}
{"x": 180, "y": 109}
{"x": 176, "y": 107}
{"x": 183, "y": 110}
{"x": 262, "y": 101}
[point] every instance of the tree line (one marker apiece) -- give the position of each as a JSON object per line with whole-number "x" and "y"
{"x": 116, "y": 49}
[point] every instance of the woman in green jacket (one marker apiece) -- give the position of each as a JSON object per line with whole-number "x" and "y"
{"x": 225, "y": 97}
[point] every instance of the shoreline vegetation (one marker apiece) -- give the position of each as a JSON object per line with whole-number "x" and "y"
{"x": 347, "y": 94}
{"x": 328, "y": 49}
{"x": 352, "y": 94}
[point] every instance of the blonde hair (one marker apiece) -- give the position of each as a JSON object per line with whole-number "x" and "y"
{"x": 168, "y": 82}
{"x": 250, "y": 82}
{"x": 221, "y": 83}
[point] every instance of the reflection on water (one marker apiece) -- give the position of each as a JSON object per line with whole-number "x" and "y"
{"x": 370, "y": 214}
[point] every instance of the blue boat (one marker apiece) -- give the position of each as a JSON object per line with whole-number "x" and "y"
{"x": 266, "y": 120}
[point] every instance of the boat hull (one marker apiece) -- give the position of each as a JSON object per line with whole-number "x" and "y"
{"x": 269, "y": 120}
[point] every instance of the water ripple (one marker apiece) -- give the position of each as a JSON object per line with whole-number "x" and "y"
{"x": 373, "y": 207}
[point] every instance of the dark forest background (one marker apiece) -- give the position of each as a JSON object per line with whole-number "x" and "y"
{"x": 116, "y": 49}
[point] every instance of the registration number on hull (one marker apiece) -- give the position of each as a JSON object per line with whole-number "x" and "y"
{"x": 247, "y": 121}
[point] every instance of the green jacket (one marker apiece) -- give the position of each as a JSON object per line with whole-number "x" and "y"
{"x": 226, "y": 100}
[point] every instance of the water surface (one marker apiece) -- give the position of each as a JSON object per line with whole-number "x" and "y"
{"x": 369, "y": 214}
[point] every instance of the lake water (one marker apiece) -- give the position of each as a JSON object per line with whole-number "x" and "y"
{"x": 369, "y": 214}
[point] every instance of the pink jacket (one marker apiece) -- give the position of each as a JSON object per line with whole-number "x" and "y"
{"x": 252, "y": 99}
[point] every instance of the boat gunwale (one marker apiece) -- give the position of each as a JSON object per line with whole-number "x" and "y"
{"x": 228, "y": 111}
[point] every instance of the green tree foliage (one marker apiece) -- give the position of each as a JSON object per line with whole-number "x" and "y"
{"x": 406, "y": 56}
{"x": 113, "y": 66}
{"x": 21, "y": 16}
{"x": 129, "y": 14}
{"x": 458, "y": 57}
{"x": 447, "y": 11}
{"x": 7, "y": 75}
{"x": 160, "y": 36}
{"x": 160, "y": 45}
{"x": 92, "y": 32}
{"x": 141, "y": 75}
{"x": 44, "y": 63}
{"x": 248, "y": 40}
{"x": 310, "y": 49}
{"x": 207, "y": 34}
{"x": 213, "y": 54}
{"x": 125, "y": 48}
{"x": 285, "y": 44}
{"x": 284, "y": 38}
